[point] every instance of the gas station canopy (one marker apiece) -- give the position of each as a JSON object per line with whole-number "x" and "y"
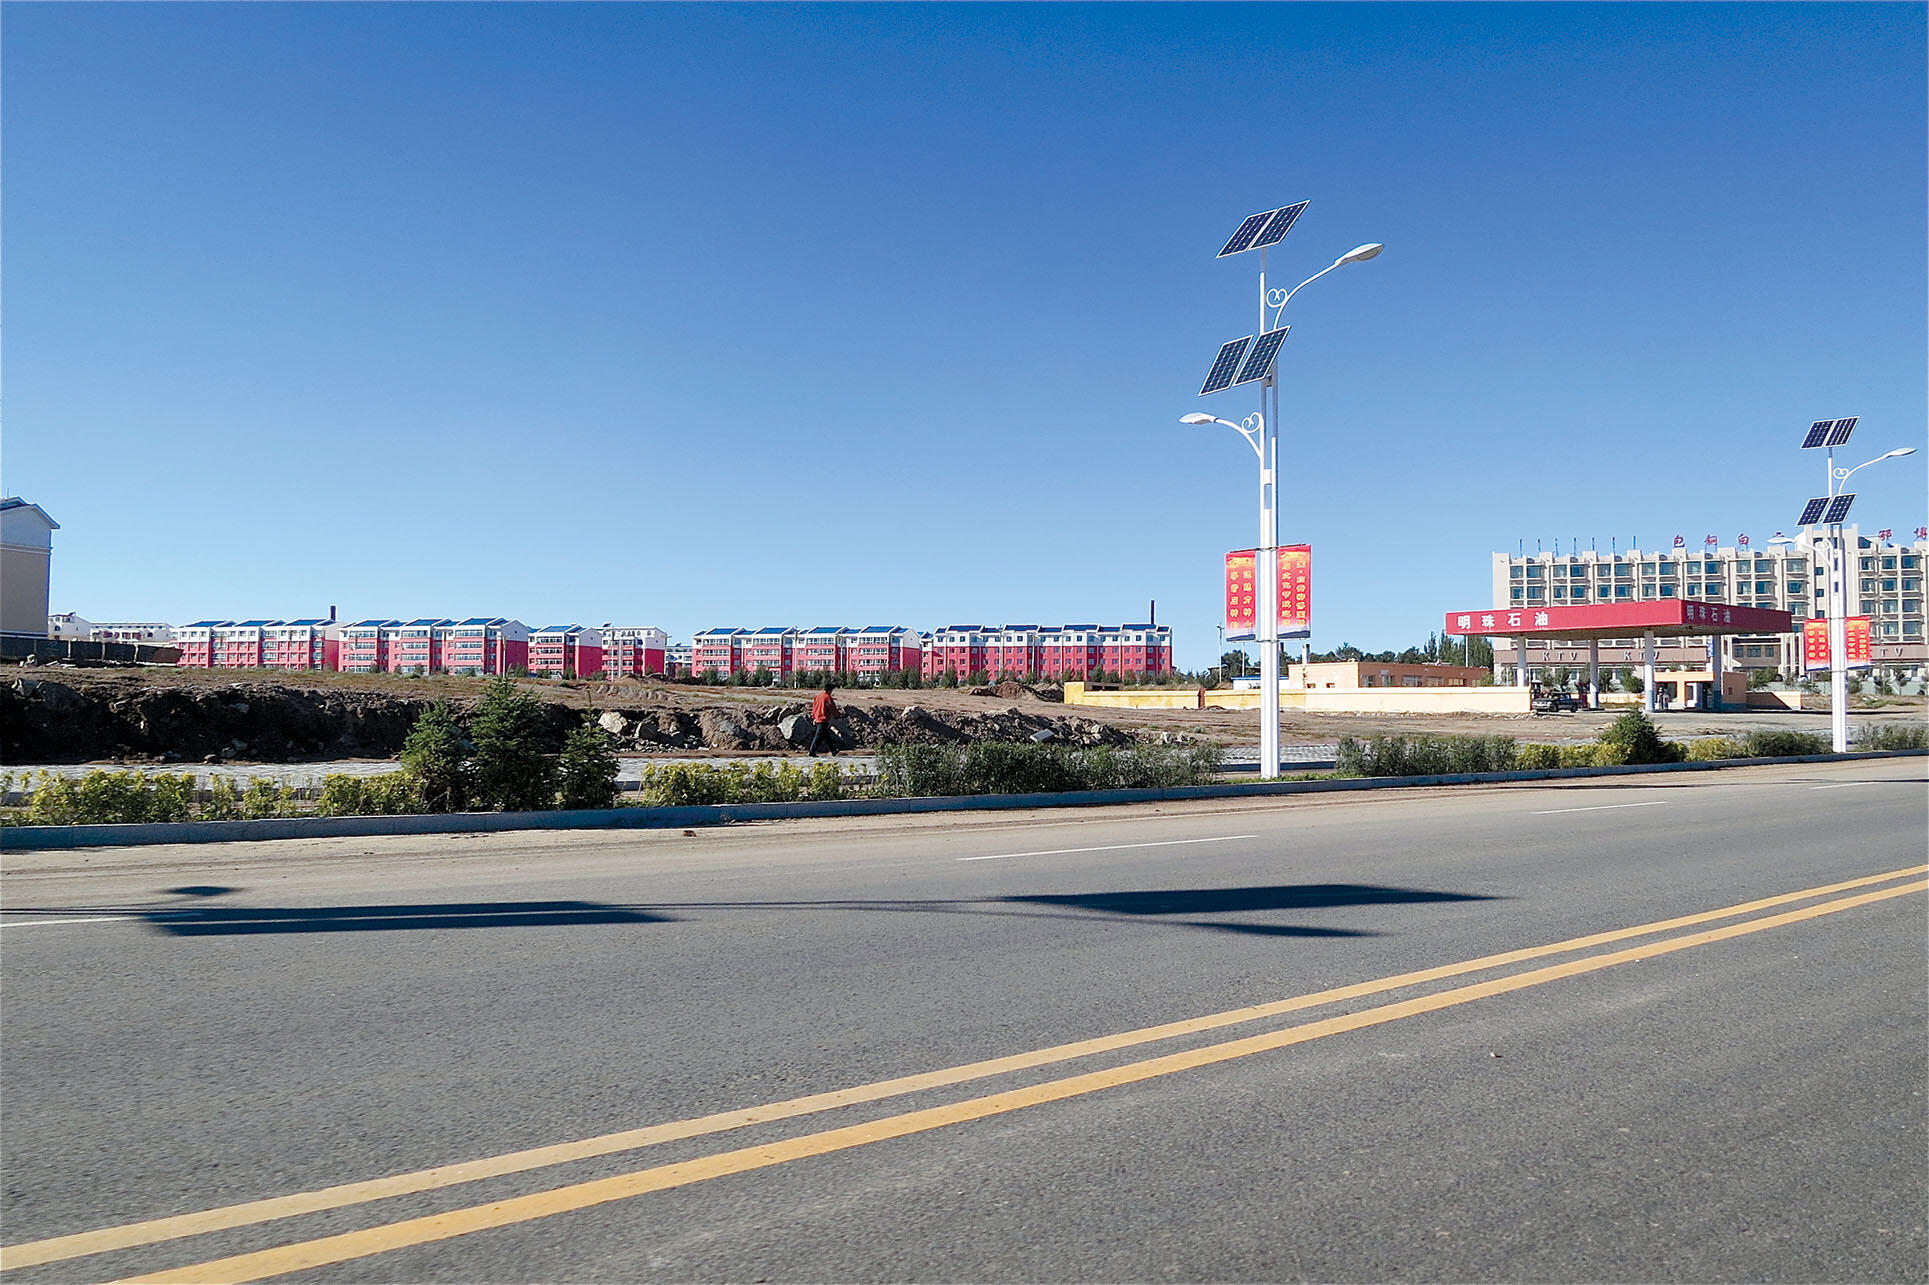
{"x": 1665, "y": 618}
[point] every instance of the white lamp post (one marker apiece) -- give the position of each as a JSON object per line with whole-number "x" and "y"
{"x": 1838, "y": 602}
{"x": 1261, "y": 432}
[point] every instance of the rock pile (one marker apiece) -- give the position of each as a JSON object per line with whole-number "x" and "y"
{"x": 45, "y": 721}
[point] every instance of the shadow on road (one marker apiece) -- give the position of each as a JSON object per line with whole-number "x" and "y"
{"x": 1157, "y": 907}
{"x": 208, "y": 921}
{"x": 1215, "y": 901}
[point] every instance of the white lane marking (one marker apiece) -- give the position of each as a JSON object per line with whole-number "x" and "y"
{"x": 1603, "y": 807}
{"x": 1110, "y": 847}
{"x": 100, "y": 919}
{"x": 1840, "y": 785}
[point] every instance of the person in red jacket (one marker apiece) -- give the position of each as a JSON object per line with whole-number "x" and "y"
{"x": 822, "y": 711}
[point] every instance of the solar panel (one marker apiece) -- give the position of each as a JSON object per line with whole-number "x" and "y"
{"x": 1812, "y": 511}
{"x": 1243, "y": 238}
{"x": 1817, "y": 433}
{"x": 1839, "y": 435}
{"x": 1838, "y": 508}
{"x": 1279, "y": 225}
{"x": 1220, "y": 376}
{"x": 1260, "y": 363}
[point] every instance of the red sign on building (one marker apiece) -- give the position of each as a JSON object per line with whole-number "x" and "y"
{"x": 1295, "y": 590}
{"x": 1815, "y": 643}
{"x": 1242, "y": 593}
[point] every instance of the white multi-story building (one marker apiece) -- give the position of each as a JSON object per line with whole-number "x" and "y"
{"x": 68, "y": 626}
{"x": 143, "y": 633}
{"x": 1885, "y": 583}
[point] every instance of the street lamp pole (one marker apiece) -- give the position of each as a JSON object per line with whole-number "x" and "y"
{"x": 1838, "y": 598}
{"x": 1261, "y": 431}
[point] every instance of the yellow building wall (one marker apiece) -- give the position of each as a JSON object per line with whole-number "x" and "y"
{"x": 1136, "y": 698}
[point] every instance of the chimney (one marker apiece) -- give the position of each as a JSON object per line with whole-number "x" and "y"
{"x": 1152, "y": 612}
{"x": 331, "y": 611}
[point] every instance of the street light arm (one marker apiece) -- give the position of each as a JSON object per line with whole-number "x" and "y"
{"x": 1843, "y": 475}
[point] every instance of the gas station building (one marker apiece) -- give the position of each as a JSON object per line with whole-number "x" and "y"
{"x": 1631, "y": 623}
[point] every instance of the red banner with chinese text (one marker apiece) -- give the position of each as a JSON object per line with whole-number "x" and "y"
{"x": 1856, "y": 640}
{"x": 1242, "y": 593}
{"x": 1295, "y": 590}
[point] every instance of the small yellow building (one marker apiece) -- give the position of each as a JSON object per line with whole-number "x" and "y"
{"x": 1350, "y": 675}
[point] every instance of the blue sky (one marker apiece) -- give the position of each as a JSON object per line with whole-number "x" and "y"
{"x": 701, "y": 315}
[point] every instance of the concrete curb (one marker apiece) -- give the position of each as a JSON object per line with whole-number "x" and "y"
{"x": 45, "y": 837}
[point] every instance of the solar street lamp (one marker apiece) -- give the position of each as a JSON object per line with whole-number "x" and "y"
{"x": 1830, "y": 511}
{"x": 1251, "y": 359}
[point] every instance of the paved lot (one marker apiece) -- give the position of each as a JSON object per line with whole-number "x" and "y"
{"x": 1496, "y": 1091}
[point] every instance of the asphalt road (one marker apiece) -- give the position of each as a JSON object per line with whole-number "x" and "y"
{"x": 1657, "y": 1078}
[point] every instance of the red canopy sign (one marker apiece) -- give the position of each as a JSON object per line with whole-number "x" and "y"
{"x": 1669, "y": 617}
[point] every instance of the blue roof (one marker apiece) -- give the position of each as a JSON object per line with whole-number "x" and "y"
{"x": 777, "y": 629}
{"x": 827, "y": 629}
{"x": 1012, "y": 627}
{"x": 249, "y": 624}
{"x": 316, "y": 621}
{"x": 559, "y": 629}
{"x": 374, "y": 622}
{"x": 426, "y": 620}
{"x": 206, "y": 624}
{"x": 883, "y": 629}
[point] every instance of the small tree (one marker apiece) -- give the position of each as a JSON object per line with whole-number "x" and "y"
{"x": 587, "y": 767}
{"x": 435, "y": 757}
{"x": 1637, "y": 739}
{"x": 512, "y": 773}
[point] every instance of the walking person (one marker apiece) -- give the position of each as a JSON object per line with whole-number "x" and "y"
{"x": 822, "y": 711}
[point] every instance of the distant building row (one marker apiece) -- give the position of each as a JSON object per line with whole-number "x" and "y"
{"x": 482, "y": 645}
{"x": 496, "y": 645}
{"x": 870, "y": 651}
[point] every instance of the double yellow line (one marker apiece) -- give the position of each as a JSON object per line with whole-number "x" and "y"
{"x": 459, "y": 1222}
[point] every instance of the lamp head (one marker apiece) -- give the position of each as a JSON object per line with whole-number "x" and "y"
{"x": 1196, "y": 418}
{"x": 1361, "y": 253}
{"x": 1900, "y": 450}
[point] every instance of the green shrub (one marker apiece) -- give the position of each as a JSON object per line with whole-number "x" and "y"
{"x": 1711, "y": 748}
{"x": 926, "y": 771}
{"x": 224, "y": 801}
{"x": 1425, "y": 755}
{"x": 1634, "y": 736}
{"x": 1534, "y": 758}
{"x": 390, "y": 794}
{"x": 1770, "y": 745}
{"x": 54, "y": 801}
{"x": 1891, "y": 736}
{"x": 1580, "y": 756}
{"x": 587, "y": 768}
{"x": 263, "y": 800}
{"x": 1608, "y": 754}
{"x": 172, "y": 797}
{"x": 510, "y": 772}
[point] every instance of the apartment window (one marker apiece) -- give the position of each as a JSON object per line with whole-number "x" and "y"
{"x": 1868, "y": 564}
{"x": 1580, "y": 591}
{"x": 1909, "y": 562}
{"x": 1889, "y": 586}
{"x": 1516, "y": 593}
{"x": 1667, "y": 591}
{"x": 1912, "y": 627}
{"x": 1623, "y": 571}
{"x": 1535, "y": 572}
{"x": 1795, "y": 586}
{"x": 1868, "y": 586}
{"x": 1764, "y": 588}
{"x": 1912, "y": 606}
{"x": 1911, "y": 583}
{"x": 1623, "y": 591}
{"x": 1888, "y": 564}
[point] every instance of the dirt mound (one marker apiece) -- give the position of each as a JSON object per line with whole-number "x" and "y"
{"x": 1012, "y": 690}
{"x": 46, "y": 721}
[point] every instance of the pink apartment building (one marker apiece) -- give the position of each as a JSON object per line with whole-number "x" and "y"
{"x": 364, "y": 647}
{"x": 771, "y": 649}
{"x": 718, "y": 650}
{"x": 635, "y": 651}
{"x": 565, "y": 651}
{"x": 876, "y": 650}
{"x": 484, "y": 645}
{"x": 414, "y": 646}
{"x": 301, "y": 644}
{"x": 825, "y": 649}
{"x": 196, "y": 642}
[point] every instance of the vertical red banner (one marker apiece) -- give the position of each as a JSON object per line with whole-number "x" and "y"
{"x": 1858, "y": 642}
{"x": 1815, "y": 644}
{"x": 1295, "y": 590}
{"x": 1242, "y": 593}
